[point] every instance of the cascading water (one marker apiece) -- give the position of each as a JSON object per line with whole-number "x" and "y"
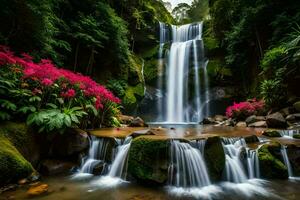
{"x": 185, "y": 57}
{"x": 187, "y": 167}
{"x": 286, "y": 161}
{"x": 234, "y": 167}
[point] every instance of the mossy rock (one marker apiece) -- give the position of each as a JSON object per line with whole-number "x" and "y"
{"x": 214, "y": 157}
{"x": 296, "y": 136}
{"x": 297, "y": 106}
{"x": 293, "y": 152}
{"x": 270, "y": 165}
{"x": 272, "y": 133}
{"x": 148, "y": 160}
{"x": 251, "y": 139}
{"x": 132, "y": 95}
{"x": 13, "y": 166}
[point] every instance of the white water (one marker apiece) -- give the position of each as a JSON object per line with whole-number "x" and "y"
{"x": 286, "y": 161}
{"x": 186, "y": 55}
{"x": 235, "y": 169}
{"x": 187, "y": 167}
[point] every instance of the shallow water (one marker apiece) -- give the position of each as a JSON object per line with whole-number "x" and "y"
{"x": 65, "y": 188}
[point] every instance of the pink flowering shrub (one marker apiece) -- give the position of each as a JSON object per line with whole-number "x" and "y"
{"x": 48, "y": 84}
{"x": 245, "y": 109}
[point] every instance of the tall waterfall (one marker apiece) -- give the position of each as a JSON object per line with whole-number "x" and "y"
{"x": 236, "y": 171}
{"x": 187, "y": 167}
{"x": 186, "y": 93}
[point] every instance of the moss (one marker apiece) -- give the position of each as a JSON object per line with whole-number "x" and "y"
{"x": 132, "y": 95}
{"x": 270, "y": 165}
{"x": 271, "y": 133}
{"x": 13, "y": 166}
{"x": 296, "y": 136}
{"x": 150, "y": 70}
{"x": 148, "y": 160}
{"x": 214, "y": 157}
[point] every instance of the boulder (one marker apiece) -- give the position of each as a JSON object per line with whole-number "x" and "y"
{"x": 148, "y": 160}
{"x": 38, "y": 190}
{"x": 251, "y": 139}
{"x": 259, "y": 124}
{"x": 53, "y": 167}
{"x": 271, "y": 166}
{"x": 290, "y": 118}
{"x": 297, "y": 106}
{"x": 251, "y": 119}
{"x": 13, "y": 166}
{"x": 220, "y": 118}
{"x": 98, "y": 168}
{"x": 69, "y": 144}
{"x": 137, "y": 122}
{"x": 296, "y": 136}
{"x": 125, "y": 119}
{"x": 276, "y": 120}
{"x": 229, "y": 122}
{"x": 287, "y": 111}
{"x": 208, "y": 120}
{"x": 241, "y": 124}
{"x": 271, "y": 133}
{"x": 214, "y": 157}
{"x": 293, "y": 152}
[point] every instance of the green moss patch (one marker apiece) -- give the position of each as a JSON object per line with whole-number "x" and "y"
{"x": 271, "y": 133}
{"x": 148, "y": 160}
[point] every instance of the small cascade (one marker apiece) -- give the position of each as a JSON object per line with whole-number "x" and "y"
{"x": 289, "y": 133}
{"x": 187, "y": 167}
{"x": 286, "y": 161}
{"x": 119, "y": 166}
{"x": 235, "y": 168}
{"x": 97, "y": 153}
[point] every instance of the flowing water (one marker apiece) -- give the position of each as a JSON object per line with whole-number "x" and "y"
{"x": 184, "y": 59}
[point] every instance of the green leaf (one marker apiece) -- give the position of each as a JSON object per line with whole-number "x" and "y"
{"x": 51, "y": 105}
{"x": 60, "y": 100}
{"x": 34, "y": 99}
{"x": 4, "y": 116}
{"x": 8, "y": 105}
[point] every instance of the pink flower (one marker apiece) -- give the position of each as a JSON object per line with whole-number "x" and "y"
{"x": 70, "y": 93}
{"x": 244, "y": 109}
{"x": 47, "y": 82}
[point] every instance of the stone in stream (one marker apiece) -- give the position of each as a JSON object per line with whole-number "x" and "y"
{"x": 251, "y": 119}
{"x": 53, "y": 167}
{"x": 137, "y": 122}
{"x": 241, "y": 124}
{"x": 125, "y": 119}
{"x": 38, "y": 190}
{"x": 259, "y": 124}
{"x": 276, "y": 120}
{"x": 208, "y": 120}
{"x": 296, "y": 136}
{"x": 271, "y": 166}
{"x": 271, "y": 133}
{"x": 251, "y": 139}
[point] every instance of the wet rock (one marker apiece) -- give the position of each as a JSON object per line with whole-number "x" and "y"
{"x": 241, "y": 124}
{"x": 98, "y": 168}
{"x": 214, "y": 157}
{"x": 208, "y": 120}
{"x": 125, "y": 119}
{"x": 251, "y": 139}
{"x": 270, "y": 164}
{"x": 271, "y": 133}
{"x": 137, "y": 122}
{"x": 147, "y": 160}
{"x": 141, "y": 132}
{"x": 259, "y": 124}
{"x": 53, "y": 167}
{"x": 296, "y": 136}
{"x": 69, "y": 144}
{"x": 38, "y": 190}
{"x": 276, "y": 120}
{"x": 287, "y": 111}
{"x": 229, "y": 122}
{"x": 290, "y": 118}
{"x": 220, "y": 118}
{"x": 251, "y": 119}
{"x": 297, "y": 106}
{"x": 294, "y": 157}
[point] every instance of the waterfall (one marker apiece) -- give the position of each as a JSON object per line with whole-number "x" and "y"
{"x": 234, "y": 167}
{"x": 97, "y": 153}
{"x": 187, "y": 167}
{"x": 186, "y": 56}
{"x": 286, "y": 161}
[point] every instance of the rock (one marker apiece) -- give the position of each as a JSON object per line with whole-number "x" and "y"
{"x": 71, "y": 143}
{"x": 290, "y": 118}
{"x": 251, "y": 119}
{"x": 220, "y": 118}
{"x": 241, "y": 124}
{"x": 125, "y": 119}
{"x": 259, "y": 124}
{"x": 148, "y": 160}
{"x": 214, "y": 157}
{"x": 293, "y": 152}
{"x": 271, "y": 133}
{"x": 137, "y": 122}
{"x": 251, "y": 139}
{"x": 98, "y": 168}
{"x": 38, "y": 190}
{"x": 276, "y": 120}
{"x": 53, "y": 167}
{"x": 13, "y": 166}
{"x": 287, "y": 111}
{"x": 297, "y": 106}
{"x": 229, "y": 122}
{"x": 208, "y": 120}
{"x": 296, "y": 136}
{"x": 270, "y": 165}
{"x": 260, "y": 118}
{"x": 142, "y": 132}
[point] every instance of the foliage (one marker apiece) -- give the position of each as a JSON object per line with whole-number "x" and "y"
{"x": 52, "y": 98}
{"x": 273, "y": 58}
{"x": 245, "y": 109}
